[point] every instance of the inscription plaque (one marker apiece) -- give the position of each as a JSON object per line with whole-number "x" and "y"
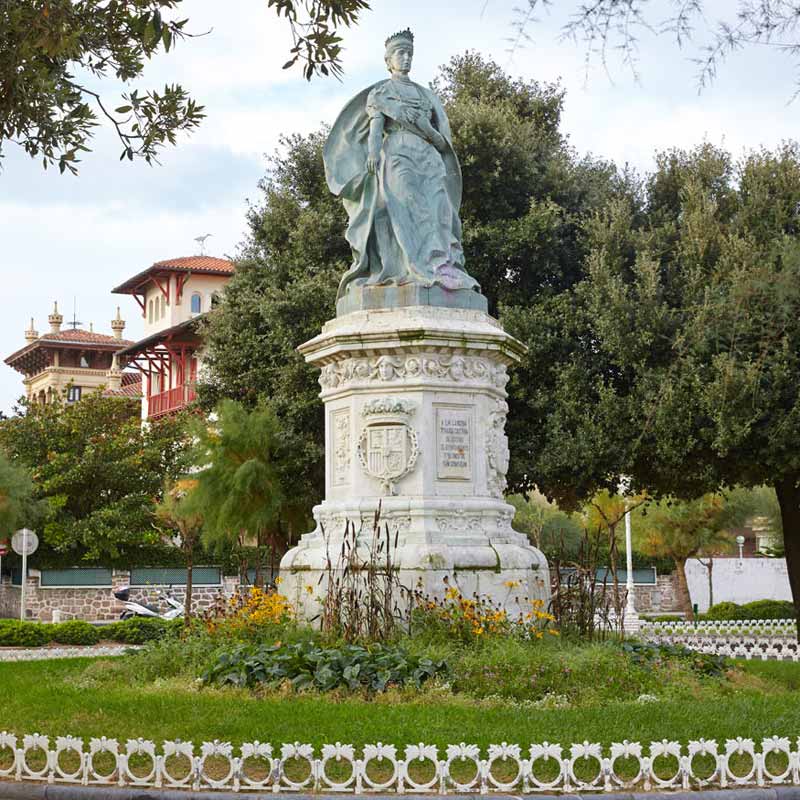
{"x": 454, "y": 444}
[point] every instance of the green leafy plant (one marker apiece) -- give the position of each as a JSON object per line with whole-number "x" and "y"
{"x": 650, "y": 654}
{"x": 308, "y": 666}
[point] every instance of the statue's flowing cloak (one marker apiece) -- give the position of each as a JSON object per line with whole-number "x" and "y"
{"x": 345, "y": 156}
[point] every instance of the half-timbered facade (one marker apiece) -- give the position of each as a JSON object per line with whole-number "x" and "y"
{"x": 172, "y": 295}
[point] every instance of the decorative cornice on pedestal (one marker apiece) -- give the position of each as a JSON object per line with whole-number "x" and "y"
{"x": 411, "y": 330}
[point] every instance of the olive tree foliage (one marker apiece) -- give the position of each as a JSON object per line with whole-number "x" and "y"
{"x": 57, "y": 55}
{"x": 54, "y": 55}
{"x": 603, "y": 27}
{"x": 526, "y": 196}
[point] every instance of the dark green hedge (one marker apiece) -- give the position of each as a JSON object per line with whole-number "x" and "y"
{"x": 758, "y": 609}
{"x": 14, "y": 633}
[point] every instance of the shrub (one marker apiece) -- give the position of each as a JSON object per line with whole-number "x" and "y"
{"x": 306, "y": 666}
{"x": 15, "y": 633}
{"x": 75, "y": 631}
{"x": 769, "y": 609}
{"x": 140, "y": 630}
{"x": 758, "y": 609}
{"x": 726, "y": 610}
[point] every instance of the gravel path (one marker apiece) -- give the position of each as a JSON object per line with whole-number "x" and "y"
{"x": 44, "y": 653}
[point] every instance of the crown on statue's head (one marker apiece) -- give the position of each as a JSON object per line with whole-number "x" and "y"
{"x": 401, "y": 37}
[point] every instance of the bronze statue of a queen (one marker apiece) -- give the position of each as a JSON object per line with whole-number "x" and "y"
{"x": 390, "y": 158}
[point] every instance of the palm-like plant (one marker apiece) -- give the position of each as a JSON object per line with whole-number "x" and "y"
{"x": 239, "y": 489}
{"x": 17, "y": 502}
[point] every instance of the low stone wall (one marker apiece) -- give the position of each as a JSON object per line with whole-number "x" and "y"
{"x": 95, "y": 603}
{"x": 658, "y": 598}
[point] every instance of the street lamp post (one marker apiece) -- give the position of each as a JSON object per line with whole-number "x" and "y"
{"x": 740, "y": 542}
{"x": 632, "y": 622}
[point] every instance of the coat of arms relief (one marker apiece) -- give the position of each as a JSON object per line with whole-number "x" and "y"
{"x": 388, "y": 447}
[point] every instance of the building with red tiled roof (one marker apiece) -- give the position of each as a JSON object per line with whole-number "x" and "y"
{"x": 69, "y": 362}
{"x": 172, "y": 294}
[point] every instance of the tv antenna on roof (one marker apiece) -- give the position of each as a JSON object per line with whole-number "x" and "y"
{"x": 74, "y": 324}
{"x": 201, "y": 240}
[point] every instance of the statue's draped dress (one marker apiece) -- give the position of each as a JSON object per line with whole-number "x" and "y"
{"x": 403, "y": 221}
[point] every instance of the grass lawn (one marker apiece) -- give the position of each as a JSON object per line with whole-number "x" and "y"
{"x": 50, "y": 697}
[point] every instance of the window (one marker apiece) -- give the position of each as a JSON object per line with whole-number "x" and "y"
{"x": 163, "y": 306}
{"x": 84, "y": 362}
{"x": 150, "y": 312}
{"x": 73, "y": 394}
{"x": 197, "y": 303}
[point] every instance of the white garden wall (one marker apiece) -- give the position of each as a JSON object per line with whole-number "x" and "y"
{"x": 739, "y": 581}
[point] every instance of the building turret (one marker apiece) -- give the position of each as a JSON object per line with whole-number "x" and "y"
{"x": 114, "y": 375}
{"x": 55, "y": 319}
{"x": 118, "y": 325}
{"x": 31, "y": 335}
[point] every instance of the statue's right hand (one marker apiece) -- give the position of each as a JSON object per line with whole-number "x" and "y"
{"x": 372, "y": 164}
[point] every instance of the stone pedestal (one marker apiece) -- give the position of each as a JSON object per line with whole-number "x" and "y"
{"x": 415, "y": 410}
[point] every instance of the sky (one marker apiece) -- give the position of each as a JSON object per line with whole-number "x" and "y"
{"x": 72, "y": 239}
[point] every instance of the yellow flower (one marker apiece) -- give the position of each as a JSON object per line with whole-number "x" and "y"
{"x": 309, "y": 588}
{"x": 511, "y": 584}
{"x": 278, "y": 581}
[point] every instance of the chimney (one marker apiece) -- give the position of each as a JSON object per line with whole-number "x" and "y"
{"x": 31, "y": 335}
{"x": 118, "y": 325}
{"x": 55, "y": 319}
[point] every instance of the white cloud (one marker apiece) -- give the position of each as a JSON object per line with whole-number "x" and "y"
{"x": 65, "y": 237}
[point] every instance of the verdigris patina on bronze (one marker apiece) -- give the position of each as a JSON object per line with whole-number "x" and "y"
{"x": 390, "y": 158}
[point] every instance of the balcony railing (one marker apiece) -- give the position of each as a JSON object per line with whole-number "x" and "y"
{"x": 170, "y": 400}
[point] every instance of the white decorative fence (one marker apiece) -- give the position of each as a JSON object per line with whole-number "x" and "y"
{"x": 745, "y": 647}
{"x": 768, "y": 639}
{"x": 420, "y": 769}
{"x": 725, "y": 627}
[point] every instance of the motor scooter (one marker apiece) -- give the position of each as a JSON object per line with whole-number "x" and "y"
{"x": 133, "y": 608}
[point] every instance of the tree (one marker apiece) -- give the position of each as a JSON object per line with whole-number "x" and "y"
{"x": 55, "y": 53}
{"x": 677, "y": 359}
{"x": 16, "y": 496}
{"x": 314, "y": 25}
{"x": 552, "y": 530}
{"x": 99, "y": 474}
{"x": 684, "y": 530}
{"x": 526, "y": 195}
{"x": 177, "y": 514}
{"x": 52, "y": 52}
{"x": 239, "y": 491}
{"x": 605, "y": 26}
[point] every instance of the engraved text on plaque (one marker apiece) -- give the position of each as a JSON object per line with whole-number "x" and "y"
{"x": 453, "y": 443}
